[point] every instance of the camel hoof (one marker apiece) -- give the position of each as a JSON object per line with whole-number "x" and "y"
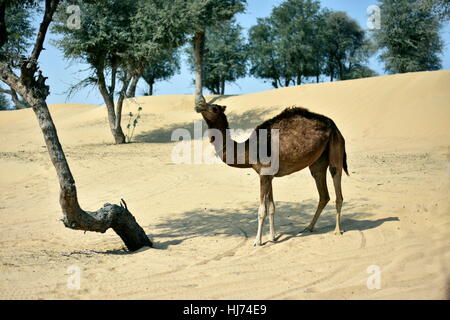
{"x": 307, "y": 229}
{"x": 338, "y": 232}
{"x": 275, "y": 237}
{"x": 257, "y": 243}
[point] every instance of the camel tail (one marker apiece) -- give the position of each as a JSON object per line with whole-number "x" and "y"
{"x": 337, "y": 154}
{"x": 345, "y": 163}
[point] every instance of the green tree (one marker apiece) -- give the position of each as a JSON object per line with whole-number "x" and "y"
{"x": 346, "y": 48}
{"x": 264, "y": 57}
{"x": 29, "y": 82}
{"x": 202, "y": 14}
{"x": 409, "y": 36}
{"x": 167, "y": 64}
{"x": 301, "y": 40}
{"x": 295, "y": 23}
{"x": 18, "y": 18}
{"x": 226, "y": 56}
{"x": 118, "y": 39}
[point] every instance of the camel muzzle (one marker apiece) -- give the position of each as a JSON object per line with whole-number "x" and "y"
{"x": 199, "y": 109}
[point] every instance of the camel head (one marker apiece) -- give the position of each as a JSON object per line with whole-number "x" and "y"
{"x": 210, "y": 112}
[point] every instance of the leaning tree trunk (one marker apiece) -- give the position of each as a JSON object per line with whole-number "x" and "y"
{"x": 34, "y": 91}
{"x": 199, "y": 47}
{"x": 110, "y": 216}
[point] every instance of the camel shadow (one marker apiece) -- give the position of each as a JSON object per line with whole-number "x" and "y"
{"x": 247, "y": 120}
{"x": 241, "y": 221}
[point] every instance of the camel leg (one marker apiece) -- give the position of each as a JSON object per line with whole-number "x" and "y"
{"x": 265, "y": 186}
{"x": 319, "y": 173}
{"x": 271, "y": 208}
{"x": 337, "y": 175}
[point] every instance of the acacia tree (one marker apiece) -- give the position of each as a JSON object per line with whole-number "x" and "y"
{"x": 347, "y": 47}
{"x": 204, "y": 13}
{"x": 118, "y": 39}
{"x": 163, "y": 68}
{"x": 226, "y": 57}
{"x": 264, "y": 57}
{"x": 19, "y": 30}
{"x": 409, "y": 37}
{"x": 29, "y": 82}
{"x": 295, "y": 25}
{"x": 300, "y": 40}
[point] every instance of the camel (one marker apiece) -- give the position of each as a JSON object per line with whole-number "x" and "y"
{"x": 305, "y": 139}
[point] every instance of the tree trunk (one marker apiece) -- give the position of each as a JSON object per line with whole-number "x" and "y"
{"x": 150, "y": 87}
{"x": 286, "y": 82}
{"x": 133, "y": 85}
{"x": 116, "y": 131}
{"x": 199, "y": 47}
{"x": 110, "y": 216}
{"x": 317, "y": 78}
{"x": 341, "y": 71}
{"x": 120, "y": 137}
{"x": 222, "y": 87}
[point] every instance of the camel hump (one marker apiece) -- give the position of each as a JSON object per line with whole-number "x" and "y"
{"x": 337, "y": 153}
{"x": 293, "y": 112}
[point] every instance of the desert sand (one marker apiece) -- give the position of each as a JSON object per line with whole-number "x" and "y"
{"x": 202, "y": 217}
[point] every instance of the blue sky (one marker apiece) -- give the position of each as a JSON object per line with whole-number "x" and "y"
{"x": 62, "y": 73}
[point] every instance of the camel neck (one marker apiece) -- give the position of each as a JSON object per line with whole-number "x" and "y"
{"x": 237, "y": 149}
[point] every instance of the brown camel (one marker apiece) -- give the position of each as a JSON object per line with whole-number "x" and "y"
{"x": 305, "y": 139}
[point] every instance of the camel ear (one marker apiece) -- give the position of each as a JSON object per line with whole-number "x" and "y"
{"x": 224, "y": 108}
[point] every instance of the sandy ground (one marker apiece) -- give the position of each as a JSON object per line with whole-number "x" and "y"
{"x": 202, "y": 217}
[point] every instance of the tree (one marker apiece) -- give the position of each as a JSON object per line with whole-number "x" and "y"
{"x": 346, "y": 45}
{"x": 162, "y": 67}
{"x": 226, "y": 57}
{"x": 204, "y": 13}
{"x": 265, "y": 60}
{"x": 301, "y": 40}
{"x": 295, "y": 23}
{"x": 29, "y": 82}
{"x": 19, "y": 30}
{"x": 409, "y": 37}
{"x": 117, "y": 39}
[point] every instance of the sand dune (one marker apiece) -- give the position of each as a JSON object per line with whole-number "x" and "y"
{"x": 202, "y": 217}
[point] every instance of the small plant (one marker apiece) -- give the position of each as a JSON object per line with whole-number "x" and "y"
{"x": 132, "y": 122}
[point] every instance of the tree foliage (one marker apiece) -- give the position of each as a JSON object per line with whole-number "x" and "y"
{"x": 162, "y": 68}
{"x": 346, "y": 47}
{"x": 118, "y": 39}
{"x": 19, "y": 30}
{"x": 409, "y": 36}
{"x": 203, "y": 14}
{"x": 301, "y": 40}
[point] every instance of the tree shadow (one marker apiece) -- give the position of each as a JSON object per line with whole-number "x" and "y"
{"x": 290, "y": 219}
{"x": 247, "y": 120}
{"x": 164, "y": 134}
